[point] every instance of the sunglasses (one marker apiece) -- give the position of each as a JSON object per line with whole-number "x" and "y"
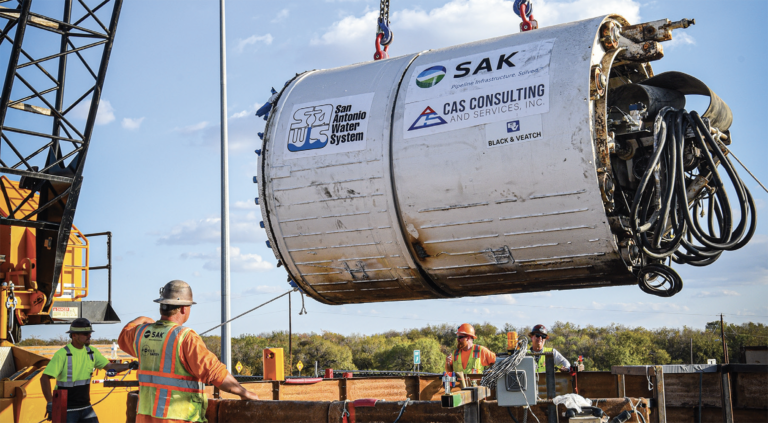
{"x": 464, "y": 337}
{"x": 536, "y": 335}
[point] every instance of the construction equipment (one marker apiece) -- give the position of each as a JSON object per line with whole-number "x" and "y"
{"x": 545, "y": 160}
{"x": 45, "y": 270}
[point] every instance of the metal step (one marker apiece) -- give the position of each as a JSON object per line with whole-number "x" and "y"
{"x": 98, "y": 312}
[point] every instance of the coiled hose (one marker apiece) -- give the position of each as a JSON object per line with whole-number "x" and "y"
{"x": 663, "y": 218}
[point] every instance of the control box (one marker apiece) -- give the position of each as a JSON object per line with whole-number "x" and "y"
{"x": 518, "y": 387}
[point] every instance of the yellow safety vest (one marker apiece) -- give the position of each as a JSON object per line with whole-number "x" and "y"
{"x": 166, "y": 389}
{"x": 542, "y": 361}
{"x": 474, "y": 364}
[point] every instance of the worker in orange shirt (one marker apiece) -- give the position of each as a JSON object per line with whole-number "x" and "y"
{"x": 474, "y": 358}
{"x": 174, "y": 363}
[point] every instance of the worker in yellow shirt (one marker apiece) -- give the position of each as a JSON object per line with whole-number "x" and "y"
{"x": 72, "y": 367}
{"x": 469, "y": 358}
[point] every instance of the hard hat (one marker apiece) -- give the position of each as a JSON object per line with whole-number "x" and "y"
{"x": 540, "y": 330}
{"x": 176, "y": 292}
{"x": 80, "y": 325}
{"x": 466, "y": 329}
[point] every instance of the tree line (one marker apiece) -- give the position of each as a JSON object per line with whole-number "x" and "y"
{"x": 600, "y": 346}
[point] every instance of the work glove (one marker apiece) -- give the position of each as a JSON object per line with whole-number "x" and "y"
{"x": 133, "y": 365}
{"x": 48, "y": 410}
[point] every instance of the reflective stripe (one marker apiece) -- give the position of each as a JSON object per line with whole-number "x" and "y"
{"x": 170, "y": 347}
{"x": 162, "y": 398}
{"x": 69, "y": 364}
{"x": 71, "y": 384}
{"x": 138, "y": 338}
{"x": 170, "y": 381}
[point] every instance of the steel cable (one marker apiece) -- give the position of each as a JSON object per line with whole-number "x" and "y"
{"x": 500, "y": 369}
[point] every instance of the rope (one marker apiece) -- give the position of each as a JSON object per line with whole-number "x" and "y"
{"x": 745, "y": 168}
{"x": 303, "y": 309}
{"x": 243, "y": 314}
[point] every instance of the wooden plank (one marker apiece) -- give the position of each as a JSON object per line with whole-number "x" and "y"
{"x": 621, "y": 390}
{"x": 727, "y": 400}
{"x": 660, "y": 395}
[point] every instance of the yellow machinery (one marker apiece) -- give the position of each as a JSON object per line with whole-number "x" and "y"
{"x": 18, "y": 274}
{"x": 21, "y": 398}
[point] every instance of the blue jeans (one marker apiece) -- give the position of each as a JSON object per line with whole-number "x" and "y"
{"x": 82, "y": 416}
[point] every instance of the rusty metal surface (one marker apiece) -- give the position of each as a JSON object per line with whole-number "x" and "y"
{"x": 390, "y": 389}
{"x": 235, "y": 411}
{"x": 683, "y": 390}
{"x": 751, "y": 390}
{"x": 387, "y": 411}
{"x": 322, "y": 391}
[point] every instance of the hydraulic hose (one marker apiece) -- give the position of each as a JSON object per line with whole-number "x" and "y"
{"x": 664, "y": 220}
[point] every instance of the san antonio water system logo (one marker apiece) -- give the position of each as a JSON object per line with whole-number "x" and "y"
{"x": 311, "y": 128}
{"x": 430, "y": 77}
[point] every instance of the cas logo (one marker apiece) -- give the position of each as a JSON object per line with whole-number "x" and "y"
{"x": 431, "y": 77}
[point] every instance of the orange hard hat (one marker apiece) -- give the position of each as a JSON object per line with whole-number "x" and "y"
{"x": 466, "y": 329}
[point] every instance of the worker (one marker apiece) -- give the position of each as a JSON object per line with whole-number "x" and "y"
{"x": 539, "y": 336}
{"x": 174, "y": 363}
{"x": 72, "y": 367}
{"x": 474, "y": 358}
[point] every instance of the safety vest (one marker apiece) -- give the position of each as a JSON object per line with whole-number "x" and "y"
{"x": 474, "y": 364}
{"x": 541, "y": 360}
{"x": 166, "y": 389}
{"x": 69, "y": 383}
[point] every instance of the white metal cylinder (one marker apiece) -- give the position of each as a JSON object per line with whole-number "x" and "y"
{"x": 469, "y": 170}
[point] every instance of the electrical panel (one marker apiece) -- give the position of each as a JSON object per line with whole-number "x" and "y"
{"x": 517, "y": 387}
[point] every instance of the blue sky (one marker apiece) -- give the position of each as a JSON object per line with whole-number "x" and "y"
{"x": 152, "y": 175}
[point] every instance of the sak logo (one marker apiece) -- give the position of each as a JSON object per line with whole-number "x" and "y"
{"x": 310, "y": 128}
{"x": 426, "y": 119}
{"x": 485, "y": 65}
{"x": 146, "y": 334}
{"x": 513, "y": 126}
{"x": 430, "y": 77}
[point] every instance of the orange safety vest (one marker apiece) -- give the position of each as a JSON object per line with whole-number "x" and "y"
{"x": 166, "y": 389}
{"x": 474, "y": 364}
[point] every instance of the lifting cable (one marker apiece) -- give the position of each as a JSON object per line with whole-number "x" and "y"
{"x": 259, "y": 306}
{"x": 664, "y": 214}
{"x": 384, "y": 34}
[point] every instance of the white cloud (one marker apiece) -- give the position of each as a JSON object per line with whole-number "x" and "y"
{"x": 458, "y": 22}
{"x": 281, "y": 16}
{"x": 494, "y": 299}
{"x": 718, "y": 294}
{"x": 253, "y": 39}
{"x": 239, "y": 262}
{"x": 680, "y": 38}
{"x": 191, "y": 129}
{"x": 132, "y": 124}
{"x": 104, "y": 115}
{"x": 243, "y": 228}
